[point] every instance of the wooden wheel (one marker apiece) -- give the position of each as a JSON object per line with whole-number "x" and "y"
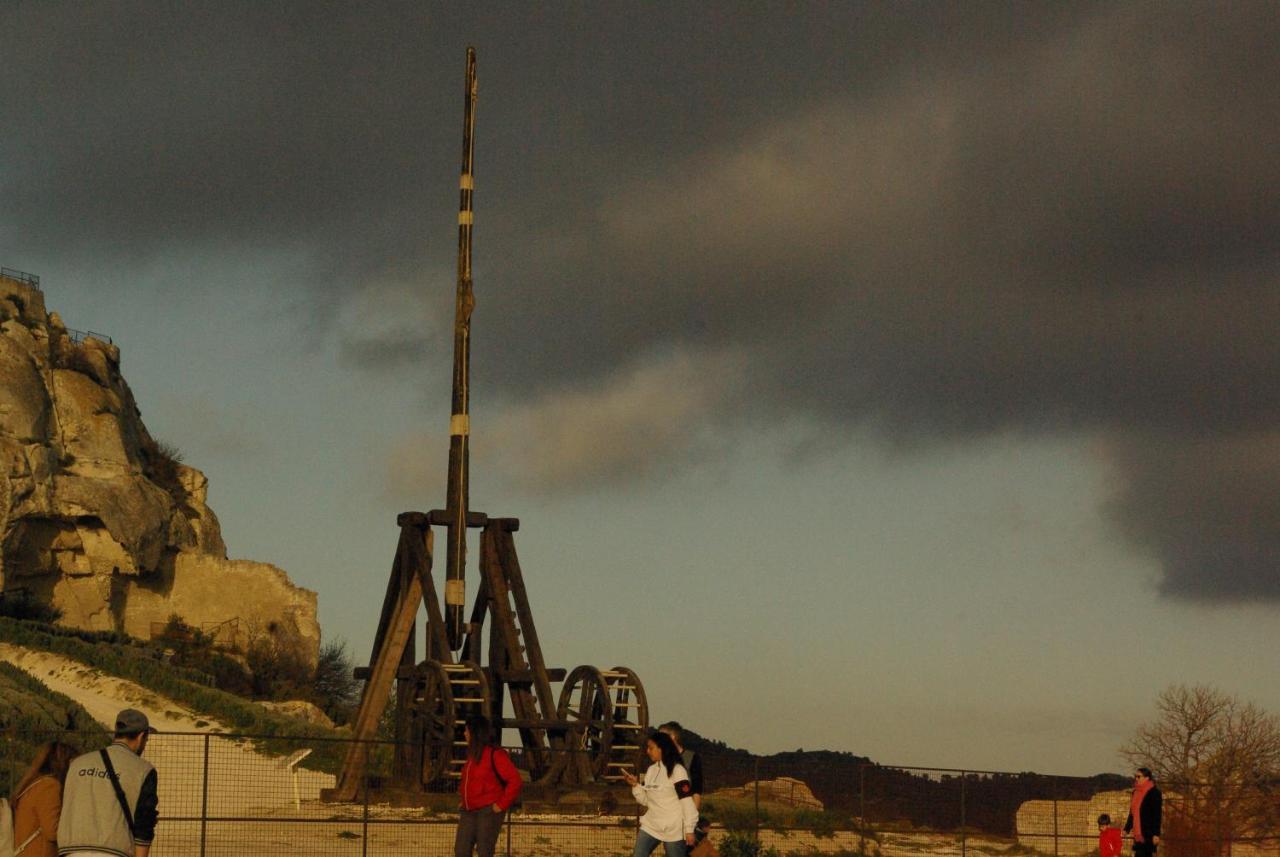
{"x": 445, "y": 696}
{"x": 433, "y": 718}
{"x": 585, "y": 699}
{"x": 469, "y": 688}
{"x": 630, "y": 722}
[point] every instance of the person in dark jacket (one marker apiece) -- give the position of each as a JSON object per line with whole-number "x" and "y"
{"x": 689, "y": 758}
{"x": 1145, "y": 810}
{"x": 490, "y": 785}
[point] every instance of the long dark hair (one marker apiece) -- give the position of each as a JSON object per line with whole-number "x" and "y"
{"x": 481, "y": 736}
{"x": 52, "y": 760}
{"x": 670, "y": 755}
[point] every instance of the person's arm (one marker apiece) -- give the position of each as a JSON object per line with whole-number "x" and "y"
{"x": 1157, "y": 810}
{"x": 637, "y": 787}
{"x": 511, "y": 776}
{"x": 1128, "y": 823}
{"x": 48, "y": 802}
{"x": 145, "y": 816}
{"x": 688, "y": 809}
{"x": 695, "y": 777}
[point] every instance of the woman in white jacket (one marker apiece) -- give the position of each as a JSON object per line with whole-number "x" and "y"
{"x": 670, "y": 816}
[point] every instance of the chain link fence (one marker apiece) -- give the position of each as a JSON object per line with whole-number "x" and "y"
{"x": 225, "y": 794}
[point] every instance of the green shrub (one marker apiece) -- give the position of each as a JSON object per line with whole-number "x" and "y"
{"x": 22, "y": 604}
{"x": 734, "y": 815}
{"x": 820, "y": 823}
{"x": 161, "y": 463}
{"x": 192, "y": 649}
{"x": 278, "y": 672}
{"x": 742, "y": 844}
{"x": 335, "y": 688}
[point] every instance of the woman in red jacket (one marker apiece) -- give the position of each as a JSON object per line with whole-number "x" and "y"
{"x": 490, "y": 784}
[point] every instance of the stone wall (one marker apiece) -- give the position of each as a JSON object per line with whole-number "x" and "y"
{"x": 97, "y": 518}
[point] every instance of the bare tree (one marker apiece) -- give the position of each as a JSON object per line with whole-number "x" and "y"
{"x": 1218, "y": 759}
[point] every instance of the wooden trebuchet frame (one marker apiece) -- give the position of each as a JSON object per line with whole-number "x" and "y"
{"x": 589, "y": 735}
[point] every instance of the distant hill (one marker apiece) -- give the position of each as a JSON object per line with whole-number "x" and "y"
{"x": 856, "y": 786}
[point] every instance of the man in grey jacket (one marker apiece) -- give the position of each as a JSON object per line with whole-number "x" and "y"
{"x": 105, "y": 815}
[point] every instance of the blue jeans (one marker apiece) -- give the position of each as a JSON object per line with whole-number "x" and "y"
{"x": 646, "y": 843}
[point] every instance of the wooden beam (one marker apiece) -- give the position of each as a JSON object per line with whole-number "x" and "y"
{"x": 506, "y": 547}
{"x": 527, "y": 676}
{"x": 384, "y": 667}
{"x": 420, "y": 562}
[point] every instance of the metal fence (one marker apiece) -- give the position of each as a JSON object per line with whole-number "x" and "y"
{"x": 224, "y": 794}
{"x": 79, "y": 336}
{"x": 21, "y": 276}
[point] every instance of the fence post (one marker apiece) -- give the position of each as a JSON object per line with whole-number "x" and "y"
{"x": 204, "y": 797}
{"x": 12, "y": 739}
{"x": 963, "y": 839}
{"x": 364, "y": 820}
{"x": 1055, "y": 820}
{"x": 757, "y": 784}
{"x": 862, "y": 808}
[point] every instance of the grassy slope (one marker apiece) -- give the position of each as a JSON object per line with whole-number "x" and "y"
{"x": 31, "y": 714}
{"x": 139, "y": 664}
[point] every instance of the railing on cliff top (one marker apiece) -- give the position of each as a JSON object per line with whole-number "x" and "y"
{"x": 79, "y": 336}
{"x": 21, "y": 276}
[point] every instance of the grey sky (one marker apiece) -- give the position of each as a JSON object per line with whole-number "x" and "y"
{"x": 1019, "y": 258}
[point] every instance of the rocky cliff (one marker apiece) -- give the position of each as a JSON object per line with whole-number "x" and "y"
{"x": 101, "y": 521}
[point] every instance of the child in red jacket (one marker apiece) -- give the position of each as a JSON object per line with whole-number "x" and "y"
{"x": 1109, "y": 843}
{"x": 490, "y": 784}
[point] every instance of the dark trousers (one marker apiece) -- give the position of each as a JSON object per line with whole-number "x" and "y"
{"x": 1143, "y": 849}
{"x": 478, "y": 830}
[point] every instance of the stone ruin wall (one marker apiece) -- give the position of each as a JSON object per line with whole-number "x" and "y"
{"x": 95, "y": 518}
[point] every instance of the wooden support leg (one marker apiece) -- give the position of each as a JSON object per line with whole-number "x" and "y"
{"x": 396, "y": 627}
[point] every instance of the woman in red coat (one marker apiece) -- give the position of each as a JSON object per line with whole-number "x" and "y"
{"x": 490, "y": 784}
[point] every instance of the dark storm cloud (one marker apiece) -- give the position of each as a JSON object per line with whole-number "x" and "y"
{"x": 935, "y": 223}
{"x": 1206, "y": 508}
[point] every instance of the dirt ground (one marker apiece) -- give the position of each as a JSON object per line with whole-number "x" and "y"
{"x": 524, "y": 838}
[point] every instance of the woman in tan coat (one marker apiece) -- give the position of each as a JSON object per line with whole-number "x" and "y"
{"x": 37, "y": 801}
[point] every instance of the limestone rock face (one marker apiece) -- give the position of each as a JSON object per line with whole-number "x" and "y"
{"x": 100, "y": 520}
